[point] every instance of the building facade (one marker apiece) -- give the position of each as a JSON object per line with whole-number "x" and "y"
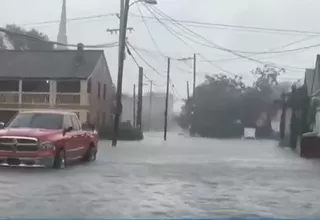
{"x": 73, "y": 80}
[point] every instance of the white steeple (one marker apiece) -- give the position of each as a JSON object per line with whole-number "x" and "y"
{"x": 62, "y": 35}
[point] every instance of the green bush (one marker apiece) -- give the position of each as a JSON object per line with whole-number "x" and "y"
{"x": 126, "y": 133}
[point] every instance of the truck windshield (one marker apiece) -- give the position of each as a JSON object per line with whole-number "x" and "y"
{"x": 37, "y": 120}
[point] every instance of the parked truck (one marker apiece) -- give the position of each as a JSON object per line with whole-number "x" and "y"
{"x": 46, "y": 139}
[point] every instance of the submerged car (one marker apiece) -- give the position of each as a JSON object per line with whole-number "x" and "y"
{"x": 46, "y": 139}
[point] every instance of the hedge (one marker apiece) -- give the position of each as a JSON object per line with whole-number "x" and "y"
{"x": 127, "y": 133}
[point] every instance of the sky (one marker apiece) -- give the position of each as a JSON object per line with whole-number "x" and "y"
{"x": 276, "y": 14}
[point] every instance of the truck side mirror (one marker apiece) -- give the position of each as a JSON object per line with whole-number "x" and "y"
{"x": 2, "y": 125}
{"x": 66, "y": 130}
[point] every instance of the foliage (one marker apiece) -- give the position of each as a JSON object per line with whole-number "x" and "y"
{"x": 225, "y": 105}
{"x": 24, "y": 43}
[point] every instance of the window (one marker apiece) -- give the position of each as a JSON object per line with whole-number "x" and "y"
{"x": 68, "y": 86}
{"x": 103, "y": 115}
{"x": 37, "y": 120}
{"x": 67, "y": 122}
{"x": 89, "y": 86}
{"x": 75, "y": 123}
{"x": 98, "y": 90}
{"x": 98, "y": 118}
{"x": 104, "y": 91}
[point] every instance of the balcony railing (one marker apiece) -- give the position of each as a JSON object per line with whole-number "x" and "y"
{"x": 70, "y": 98}
{"x": 43, "y": 99}
{"x": 9, "y": 97}
{"x": 35, "y": 98}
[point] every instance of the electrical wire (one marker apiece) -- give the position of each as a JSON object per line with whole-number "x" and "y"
{"x": 136, "y": 62}
{"x": 243, "y": 27}
{"x": 216, "y": 46}
{"x": 149, "y": 31}
{"x": 200, "y": 24}
{"x": 82, "y": 18}
{"x": 105, "y": 45}
{"x": 173, "y": 32}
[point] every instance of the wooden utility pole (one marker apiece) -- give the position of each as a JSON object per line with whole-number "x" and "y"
{"x": 134, "y": 106}
{"x": 194, "y": 76}
{"x": 150, "y": 107}
{"x": 188, "y": 93}
{"x": 166, "y": 103}
{"x": 140, "y": 87}
{"x": 121, "y": 56}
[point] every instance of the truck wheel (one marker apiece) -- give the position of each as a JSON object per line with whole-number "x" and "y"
{"x": 60, "y": 160}
{"x": 91, "y": 155}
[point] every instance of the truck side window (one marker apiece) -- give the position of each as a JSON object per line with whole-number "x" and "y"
{"x": 75, "y": 123}
{"x": 67, "y": 121}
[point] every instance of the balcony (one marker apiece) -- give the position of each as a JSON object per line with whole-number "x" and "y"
{"x": 43, "y": 100}
{"x": 67, "y": 99}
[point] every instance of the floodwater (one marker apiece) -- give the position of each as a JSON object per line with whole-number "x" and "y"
{"x": 183, "y": 177}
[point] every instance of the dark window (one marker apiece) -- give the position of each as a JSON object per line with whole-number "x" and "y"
{"x": 103, "y": 115}
{"x": 89, "y": 86}
{"x": 9, "y": 85}
{"x": 75, "y": 123}
{"x": 37, "y": 120}
{"x": 104, "y": 91}
{"x": 36, "y": 86}
{"x": 88, "y": 118}
{"x": 98, "y": 118}
{"x": 68, "y": 86}
{"x": 98, "y": 90}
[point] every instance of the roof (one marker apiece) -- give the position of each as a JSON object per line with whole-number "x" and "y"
{"x": 60, "y": 112}
{"x": 48, "y": 64}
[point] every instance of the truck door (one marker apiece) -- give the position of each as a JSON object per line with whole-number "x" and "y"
{"x": 70, "y": 141}
{"x": 79, "y": 135}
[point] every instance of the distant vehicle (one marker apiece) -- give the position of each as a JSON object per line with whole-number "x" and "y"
{"x": 249, "y": 133}
{"x": 46, "y": 139}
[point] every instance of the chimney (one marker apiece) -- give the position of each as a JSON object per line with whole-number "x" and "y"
{"x": 79, "y": 54}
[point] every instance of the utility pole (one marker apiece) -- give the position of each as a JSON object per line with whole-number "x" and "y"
{"x": 194, "y": 76}
{"x": 166, "y": 103}
{"x": 122, "y": 39}
{"x": 150, "y": 103}
{"x": 140, "y": 87}
{"x": 134, "y": 105}
{"x": 188, "y": 93}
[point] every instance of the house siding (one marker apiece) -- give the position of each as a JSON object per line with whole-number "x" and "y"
{"x": 101, "y": 109}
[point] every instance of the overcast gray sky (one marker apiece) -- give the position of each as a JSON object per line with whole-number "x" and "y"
{"x": 281, "y": 14}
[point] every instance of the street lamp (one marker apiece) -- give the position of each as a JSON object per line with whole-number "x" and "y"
{"x": 124, "y": 11}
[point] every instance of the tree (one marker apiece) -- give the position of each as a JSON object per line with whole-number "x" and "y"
{"x": 224, "y": 105}
{"x": 21, "y": 41}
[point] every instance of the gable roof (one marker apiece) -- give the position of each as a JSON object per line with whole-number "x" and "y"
{"x": 48, "y": 64}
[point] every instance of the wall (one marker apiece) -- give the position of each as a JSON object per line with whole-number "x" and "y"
{"x": 100, "y": 108}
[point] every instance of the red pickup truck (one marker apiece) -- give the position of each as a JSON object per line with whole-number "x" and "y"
{"x": 46, "y": 139}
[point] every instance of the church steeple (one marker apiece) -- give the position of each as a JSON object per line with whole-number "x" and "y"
{"x": 62, "y": 35}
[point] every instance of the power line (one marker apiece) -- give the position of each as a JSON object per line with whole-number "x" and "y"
{"x": 200, "y": 24}
{"x": 146, "y": 62}
{"x": 82, "y": 18}
{"x": 216, "y": 46}
{"x": 149, "y": 31}
{"x": 105, "y": 45}
{"x": 252, "y": 28}
{"x": 173, "y": 32}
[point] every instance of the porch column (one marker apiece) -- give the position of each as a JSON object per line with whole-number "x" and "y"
{"x": 20, "y": 91}
{"x": 84, "y": 97}
{"x": 53, "y": 92}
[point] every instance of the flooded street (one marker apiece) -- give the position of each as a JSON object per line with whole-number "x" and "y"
{"x": 183, "y": 177}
